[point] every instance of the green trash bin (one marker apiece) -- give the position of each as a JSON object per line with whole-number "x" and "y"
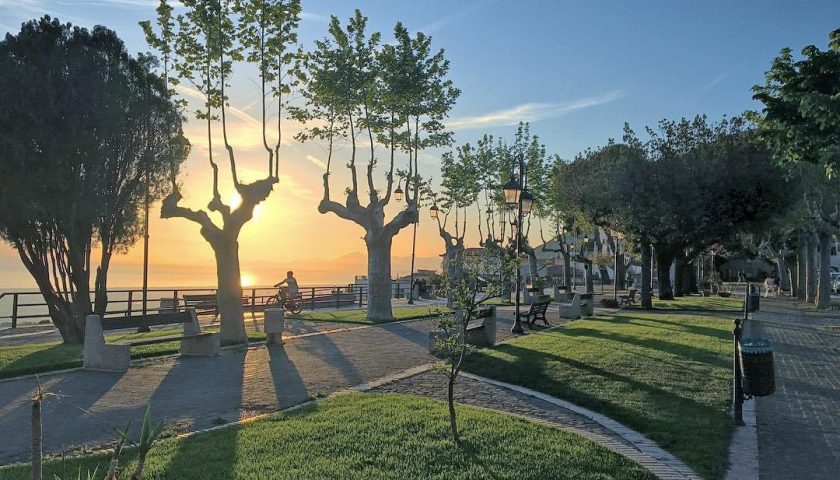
{"x": 757, "y": 370}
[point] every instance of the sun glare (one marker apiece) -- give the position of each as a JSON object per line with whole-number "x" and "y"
{"x": 235, "y": 200}
{"x": 247, "y": 281}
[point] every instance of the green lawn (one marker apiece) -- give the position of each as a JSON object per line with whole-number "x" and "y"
{"x": 359, "y": 316}
{"x": 694, "y": 302}
{"x": 374, "y": 436}
{"x": 666, "y": 375}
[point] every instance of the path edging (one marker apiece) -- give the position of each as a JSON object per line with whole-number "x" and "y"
{"x": 638, "y": 440}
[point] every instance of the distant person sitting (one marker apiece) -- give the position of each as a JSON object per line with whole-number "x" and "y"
{"x": 291, "y": 290}
{"x": 769, "y": 287}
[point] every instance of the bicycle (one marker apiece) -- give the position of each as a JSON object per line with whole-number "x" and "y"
{"x": 292, "y": 304}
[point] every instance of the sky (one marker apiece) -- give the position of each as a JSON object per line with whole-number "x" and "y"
{"x": 575, "y": 70}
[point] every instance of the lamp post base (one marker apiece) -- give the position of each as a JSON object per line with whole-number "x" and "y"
{"x": 517, "y": 327}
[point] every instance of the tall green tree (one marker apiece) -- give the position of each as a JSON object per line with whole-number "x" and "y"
{"x": 800, "y": 123}
{"x": 459, "y": 191}
{"x": 366, "y": 94}
{"x": 85, "y": 127}
{"x": 203, "y": 45}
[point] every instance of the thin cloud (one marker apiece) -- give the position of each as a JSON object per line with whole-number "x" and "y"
{"x": 716, "y": 81}
{"x": 442, "y": 22}
{"x": 317, "y": 161}
{"x": 533, "y": 111}
{"x": 314, "y": 17}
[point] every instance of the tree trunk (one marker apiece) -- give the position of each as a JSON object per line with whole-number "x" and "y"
{"x": 679, "y": 276}
{"x": 450, "y": 397}
{"x": 567, "y": 270}
{"x": 811, "y": 280}
{"x": 379, "y": 279}
{"x": 229, "y": 293}
{"x": 801, "y": 268}
{"x": 68, "y": 318}
{"x": 782, "y": 271}
{"x": 647, "y": 291}
{"x": 691, "y": 277}
{"x": 663, "y": 273}
{"x": 454, "y": 264}
{"x": 824, "y": 290}
{"x": 619, "y": 272}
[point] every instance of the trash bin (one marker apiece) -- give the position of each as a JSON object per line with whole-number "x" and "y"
{"x": 757, "y": 371}
{"x": 753, "y": 301}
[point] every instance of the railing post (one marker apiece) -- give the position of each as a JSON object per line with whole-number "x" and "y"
{"x": 130, "y": 306}
{"x": 313, "y": 298}
{"x": 337, "y": 298}
{"x": 361, "y": 291}
{"x": 14, "y": 309}
{"x": 175, "y": 300}
{"x": 398, "y": 290}
{"x": 253, "y": 301}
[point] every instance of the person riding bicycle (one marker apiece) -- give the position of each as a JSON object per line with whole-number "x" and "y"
{"x": 291, "y": 290}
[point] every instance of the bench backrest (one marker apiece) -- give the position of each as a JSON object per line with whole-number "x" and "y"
{"x": 150, "y": 320}
{"x": 539, "y": 307}
{"x": 203, "y": 298}
{"x": 586, "y": 296}
{"x": 482, "y": 313}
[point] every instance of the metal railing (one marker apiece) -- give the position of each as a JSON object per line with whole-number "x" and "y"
{"x": 31, "y": 306}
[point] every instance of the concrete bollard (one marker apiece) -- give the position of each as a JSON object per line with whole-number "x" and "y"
{"x": 274, "y": 326}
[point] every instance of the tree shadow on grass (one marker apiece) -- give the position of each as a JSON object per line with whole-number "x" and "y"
{"x": 660, "y": 323}
{"x": 58, "y": 356}
{"x": 530, "y": 368}
{"x": 686, "y": 351}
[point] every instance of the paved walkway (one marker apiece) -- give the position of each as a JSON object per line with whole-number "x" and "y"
{"x": 799, "y": 426}
{"x": 195, "y": 393}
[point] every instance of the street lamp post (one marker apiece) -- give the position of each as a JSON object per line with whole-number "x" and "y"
{"x": 398, "y": 196}
{"x": 517, "y": 196}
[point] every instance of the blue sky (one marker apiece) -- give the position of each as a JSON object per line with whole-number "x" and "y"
{"x": 577, "y": 70}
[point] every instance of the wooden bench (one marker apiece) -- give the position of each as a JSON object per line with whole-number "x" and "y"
{"x": 208, "y": 303}
{"x": 536, "y": 312}
{"x": 116, "y": 357}
{"x": 480, "y": 331}
{"x": 202, "y": 303}
{"x": 629, "y": 299}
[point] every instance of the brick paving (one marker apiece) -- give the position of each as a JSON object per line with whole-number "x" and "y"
{"x": 799, "y": 426}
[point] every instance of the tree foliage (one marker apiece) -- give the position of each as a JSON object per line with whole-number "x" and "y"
{"x": 86, "y": 127}
{"x": 366, "y": 94}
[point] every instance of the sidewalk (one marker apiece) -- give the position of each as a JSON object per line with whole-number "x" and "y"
{"x": 196, "y": 393}
{"x": 799, "y": 425}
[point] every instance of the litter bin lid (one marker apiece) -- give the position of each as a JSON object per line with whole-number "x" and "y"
{"x": 756, "y": 345}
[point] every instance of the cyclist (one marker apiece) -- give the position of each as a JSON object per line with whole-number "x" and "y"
{"x": 291, "y": 290}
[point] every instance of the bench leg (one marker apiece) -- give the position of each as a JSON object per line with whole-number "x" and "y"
{"x": 201, "y": 346}
{"x": 108, "y": 358}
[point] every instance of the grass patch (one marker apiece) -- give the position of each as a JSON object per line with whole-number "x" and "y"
{"x": 359, "y": 316}
{"x": 17, "y": 360}
{"x": 665, "y": 375}
{"x": 697, "y": 303}
{"x": 374, "y": 436}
